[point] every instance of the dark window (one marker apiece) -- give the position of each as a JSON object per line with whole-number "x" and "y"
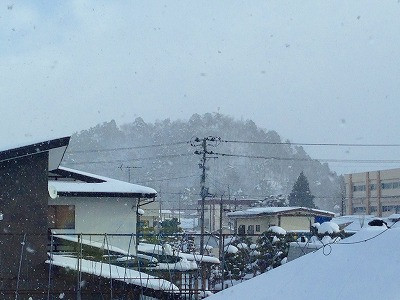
{"x": 258, "y": 228}
{"x": 359, "y": 188}
{"x": 372, "y": 187}
{"x": 250, "y": 229}
{"x": 387, "y": 186}
{"x": 61, "y": 216}
{"x": 241, "y": 229}
{"x": 359, "y": 210}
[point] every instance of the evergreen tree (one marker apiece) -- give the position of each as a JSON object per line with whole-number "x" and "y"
{"x": 301, "y": 195}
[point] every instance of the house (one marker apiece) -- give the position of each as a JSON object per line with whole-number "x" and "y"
{"x": 28, "y": 269}
{"x": 258, "y": 219}
{"x": 213, "y": 207}
{"x": 96, "y": 205}
{"x": 151, "y": 214}
{"x": 375, "y": 192}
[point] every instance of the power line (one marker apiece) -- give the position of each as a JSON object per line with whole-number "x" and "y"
{"x": 128, "y": 160}
{"x": 311, "y": 144}
{"x": 167, "y": 179}
{"x": 127, "y": 148}
{"x": 308, "y": 159}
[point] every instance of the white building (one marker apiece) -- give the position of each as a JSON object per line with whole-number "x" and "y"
{"x": 97, "y": 205}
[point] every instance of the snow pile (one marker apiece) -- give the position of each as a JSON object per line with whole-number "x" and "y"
{"x": 231, "y": 249}
{"x": 328, "y": 228}
{"x": 349, "y": 269}
{"x": 253, "y": 246}
{"x": 111, "y": 271}
{"x": 140, "y": 211}
{"x": 242, "y": 246}
{"x": 277, "y": 230}
{"x": 275, "y": 240}
{"x": 182, "y": 265}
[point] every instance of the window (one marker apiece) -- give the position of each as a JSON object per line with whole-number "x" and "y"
{"x": 372, "y": 187}
{"x": 359, "y": 209}
{"x": 396, "y": 185}
{"x": 250, "y": 229}
{"x": 258, "y": 229}
{"x": 241, "y": 229}
{"x": 61, "y": 216}
{"x": 359, "y": 188}
{"x": 387, "y": 185}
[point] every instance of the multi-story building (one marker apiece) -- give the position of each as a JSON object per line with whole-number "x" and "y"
{"x": 373, "y": 193}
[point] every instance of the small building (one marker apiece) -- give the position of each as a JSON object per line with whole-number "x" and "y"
{"x": 258, "y": 219}
{"x": 151, "y": 214}
{"x": 92, "y": 204}
{"x": 375, "y": 192}
{"x": 212, "y": 211}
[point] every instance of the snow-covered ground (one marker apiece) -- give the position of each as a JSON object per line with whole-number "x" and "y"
{"x": 364, "y": 266}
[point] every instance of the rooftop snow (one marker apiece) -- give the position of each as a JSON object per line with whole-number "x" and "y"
{"x": 106, "y": 186}
{"x": 158, "y": 250}
{"x": 115, "y": 272}
{"x": 354, "y": 222}
{"x": 364, "y": 270}
{"x": 275, "y": 210}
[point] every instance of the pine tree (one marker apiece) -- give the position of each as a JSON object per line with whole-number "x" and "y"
{"x": 301, "y": 195}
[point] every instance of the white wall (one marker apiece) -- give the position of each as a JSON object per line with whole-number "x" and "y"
{"x": 103, "y": 215}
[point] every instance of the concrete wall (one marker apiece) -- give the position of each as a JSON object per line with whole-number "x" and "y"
{"x": 103, "y": 215}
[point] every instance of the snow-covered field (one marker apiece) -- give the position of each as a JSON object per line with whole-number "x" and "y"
{"x": 354, "y": 268}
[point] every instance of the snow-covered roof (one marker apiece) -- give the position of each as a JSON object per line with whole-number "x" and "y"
{"x": 115, "y": 272}
{"x": 76, "y": 239}
{"x": 88, "y": 184}
{"x": 166, "y": 211}
{"x": 349, "y": 269}
{"x": 158, "y": 250}
{"x": 353, "y": 223}
{"x": 256, "y": 211}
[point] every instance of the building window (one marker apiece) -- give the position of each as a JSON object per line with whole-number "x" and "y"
{"x": 373, "y": 209}
{"x": 387, "y": 186}
{"x": 359, "y": 188}
{"x": 359, "y": 210}
{"x": 250, "y": 229}
{"x": 372, "y": 187}
{"x": 241, "y": 229}
{"x": 61, "y": 216}
{"x": 258, "y": 229}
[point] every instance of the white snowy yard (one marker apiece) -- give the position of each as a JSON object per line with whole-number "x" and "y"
{"x": 350, "y": 269}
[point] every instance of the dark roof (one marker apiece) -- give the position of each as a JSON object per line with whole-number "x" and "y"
{"x": 33, "y": 148}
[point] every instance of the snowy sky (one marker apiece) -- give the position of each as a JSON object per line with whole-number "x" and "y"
{"x": 314, "y": 71}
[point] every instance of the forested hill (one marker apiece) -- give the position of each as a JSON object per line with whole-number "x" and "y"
{"x": 173, "y": 169}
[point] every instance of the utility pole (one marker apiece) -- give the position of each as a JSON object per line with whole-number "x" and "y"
{"x": 221, "y": 208}
{"x": 203, "y": 143}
